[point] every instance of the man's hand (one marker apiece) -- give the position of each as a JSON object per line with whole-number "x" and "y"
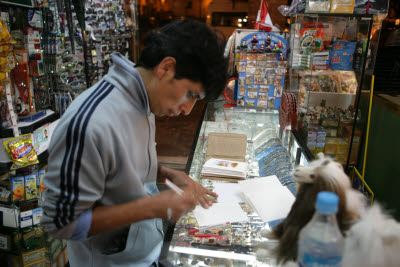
{"x": 181, "y": 179}
{"x": 171, "y": 206}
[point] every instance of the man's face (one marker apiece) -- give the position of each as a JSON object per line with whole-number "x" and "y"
{"x": 175, "y": 96}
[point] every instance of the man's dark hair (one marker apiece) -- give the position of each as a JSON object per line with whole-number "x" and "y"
{"x": 198, "y": 52}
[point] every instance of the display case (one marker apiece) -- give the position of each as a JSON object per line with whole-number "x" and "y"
{"x": 331, "y": 61}
{"x": 239, "y": 241}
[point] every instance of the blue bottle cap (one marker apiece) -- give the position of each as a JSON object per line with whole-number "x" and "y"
{"x": 327, "y": 202}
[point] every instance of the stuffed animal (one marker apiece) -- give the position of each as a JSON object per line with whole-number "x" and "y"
{"x": 373, "y": 241}
{"x": 323, "y": 174}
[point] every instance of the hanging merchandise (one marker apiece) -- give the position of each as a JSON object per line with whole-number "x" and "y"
{"x": 107, "y": 32}
{"x": 262, "y": 68}
{"x": 7, "y": 64}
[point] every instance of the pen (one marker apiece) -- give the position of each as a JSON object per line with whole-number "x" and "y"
{"x": 172, "y": 186}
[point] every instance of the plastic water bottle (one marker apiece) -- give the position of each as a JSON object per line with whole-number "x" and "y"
{"x": 320, "y": 242}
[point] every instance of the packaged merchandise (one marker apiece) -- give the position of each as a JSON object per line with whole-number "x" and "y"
{"x": 36, "y": 215}
{"x": 39, "y": 182}
{"x": 18, "y": 188}
{"x": 322, "y": 6}
{"x": 31, "y": 191}
{"x": 341, "y": 60}
{"x": 21, "y": 151}
{"x": 26, "y": 218}
{"x": 342, "y": 6}
{"x": 313, "y": 35}
{"x": 344, "y": 45}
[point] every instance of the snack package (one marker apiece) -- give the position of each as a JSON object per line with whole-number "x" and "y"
{"x": 21, "y": 151}
{"x": 31, "y": 191}
{"x": 17, "y": 184}
{"x": 312, "y": 36}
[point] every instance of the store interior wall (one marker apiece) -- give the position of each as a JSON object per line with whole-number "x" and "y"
{"x": 382, "y": 170}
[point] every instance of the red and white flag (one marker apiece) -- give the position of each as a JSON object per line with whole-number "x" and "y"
{"x": 264, "y": 21}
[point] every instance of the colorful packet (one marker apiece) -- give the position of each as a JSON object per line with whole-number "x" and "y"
{"x": 343, "y": 45}
{"x": 17, "y": 184}
{"x": 31, "y": 191}
{"x": 21, "y": 151}
{"x": 341, "y": 60}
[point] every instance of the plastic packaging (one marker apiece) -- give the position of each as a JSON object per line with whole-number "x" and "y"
{"x": 319, "y": 6}
{"x": 371, "y": 6}
{"x": 342, "y": 6}
{"x": 320, "y": 241}
{"x": 296, "y": 7}
{"x": 21, "y": 151}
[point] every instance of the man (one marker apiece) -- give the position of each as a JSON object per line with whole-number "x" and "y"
{"x": 101, "y": 192}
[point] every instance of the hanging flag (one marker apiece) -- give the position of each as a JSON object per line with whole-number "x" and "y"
{"x": 264, "y": 21}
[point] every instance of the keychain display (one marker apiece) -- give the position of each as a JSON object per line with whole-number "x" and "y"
{"x": 108, "y": 31}
{"x": 262, "y": 70}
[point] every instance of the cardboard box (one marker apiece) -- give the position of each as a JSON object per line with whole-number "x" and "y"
{"x": 227, "y": 146}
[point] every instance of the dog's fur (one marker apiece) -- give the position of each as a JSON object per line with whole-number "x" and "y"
{"x": 323, "y": 174}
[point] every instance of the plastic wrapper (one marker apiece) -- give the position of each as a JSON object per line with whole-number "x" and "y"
{"x": 296, "y": 7}
{"x": 21, "y": 151}
{"x": 373, "y": 7}
{"x": 341, "y": 57}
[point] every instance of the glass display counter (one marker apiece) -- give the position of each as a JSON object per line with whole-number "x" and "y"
{"x": 237, "y": 243}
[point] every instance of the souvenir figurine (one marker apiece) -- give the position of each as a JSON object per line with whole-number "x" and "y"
{"x": 261, "y": 49}
{"x": 276, "y": 48}
{"x": 280, "y": 44}
{"x": 254, "y": 41}
{"x": 281, "y": 57}
{"x": 268, "y": 48}
{"x": 243, "y": 45}
{"x": 254, "y": 48}
{"x": 267, "y": 40}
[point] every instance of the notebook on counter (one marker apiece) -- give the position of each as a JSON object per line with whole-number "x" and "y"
{"x": 267, "y": 197}
{"x": 222, "y": 168}
{"x": 229, "y": 147}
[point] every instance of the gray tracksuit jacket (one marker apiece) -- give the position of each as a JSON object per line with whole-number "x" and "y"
{"x": 103, "y": 153}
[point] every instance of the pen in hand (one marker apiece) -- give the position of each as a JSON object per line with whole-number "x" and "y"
{"x": 172, "y": 186}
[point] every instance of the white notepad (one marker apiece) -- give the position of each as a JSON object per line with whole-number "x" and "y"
{"x": 270, "y": 204}
{"x": 228, "y": 192}
{"x": 226, "y": 168}
{"x": 219, "y": 214}
{"x": 263, "y": 182}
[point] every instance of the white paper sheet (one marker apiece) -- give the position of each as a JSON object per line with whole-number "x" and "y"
{"x": 270, "y": 204}
{"x": 219, "y": 214}
{"x": 228, "y": 192}
{"x": 262, "y": 182}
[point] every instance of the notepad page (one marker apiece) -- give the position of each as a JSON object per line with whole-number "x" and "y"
{"x": 228, "y": 192}
{"x": 219, "y": 214}
{"x": 270, "y": 204}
